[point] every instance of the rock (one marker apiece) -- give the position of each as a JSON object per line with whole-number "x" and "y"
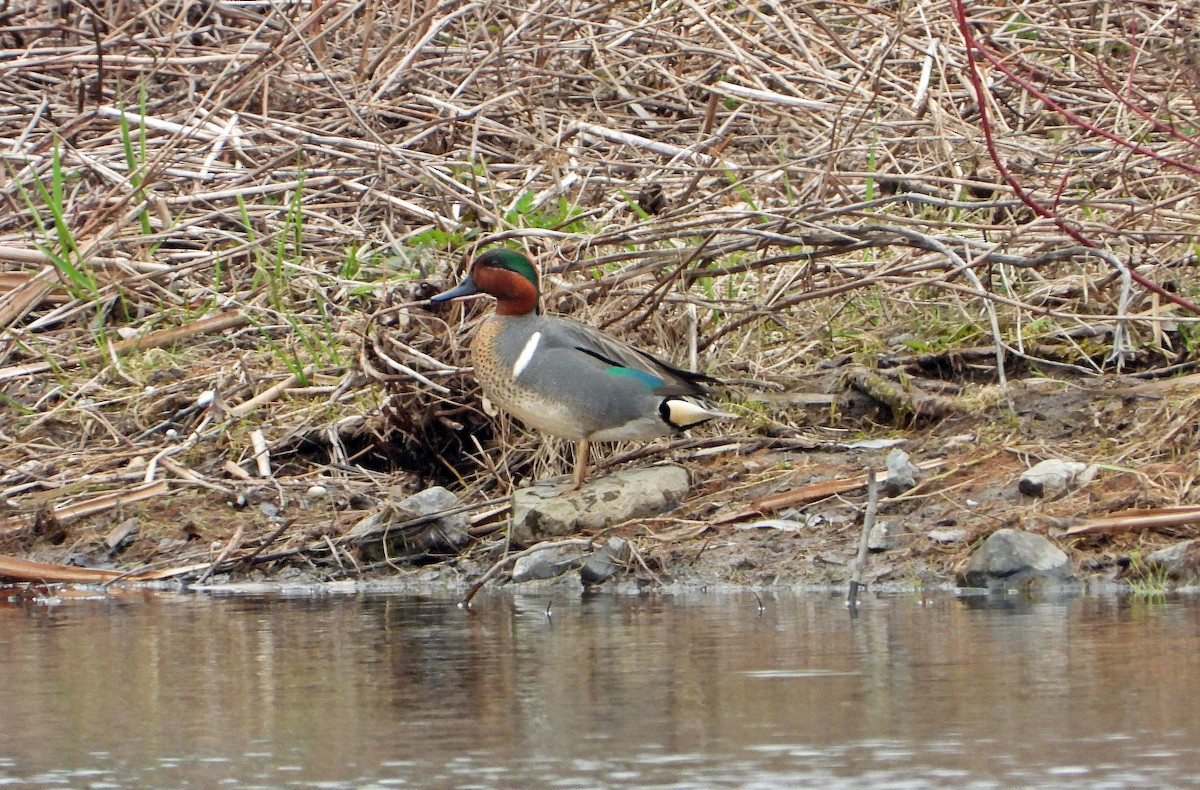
{"x": 901, "y": 474}
{"x": 809, "y": 521}
{"x": 1180, "y": 561}
{"x": 606, "y": 562}
{"x": 1011, "y": 559}
{"x": 883, "y": 537}
{"x": 118, "y": 538}
{"x": 947, "y": 535}
{"x": 1053, "y": 475}
{"x": 449, "y": 532}
{"x": 445, "y": 533}
{"x": 630, "y": 493}
{"x": 872, "y": 444}
{"x": 546, "y": 563}
{"x": 1171, "y": 556}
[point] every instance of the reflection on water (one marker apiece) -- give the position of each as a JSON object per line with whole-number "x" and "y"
{"x": 611, "y": 691}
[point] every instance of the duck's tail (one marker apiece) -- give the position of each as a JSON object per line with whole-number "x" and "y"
{"x": 684, "y": 413}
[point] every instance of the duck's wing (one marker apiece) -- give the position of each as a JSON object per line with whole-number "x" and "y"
{"x": 671, "y": 380}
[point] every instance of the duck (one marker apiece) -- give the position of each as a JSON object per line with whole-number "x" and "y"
{"x": 566, "y": 379}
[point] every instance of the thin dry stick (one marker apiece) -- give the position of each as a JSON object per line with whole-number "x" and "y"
{"x": 233, "y": 543}
{"x": 269, "y": 394}
{"x": 89, "y": 507}
{"x": 159, "y": 339}
{"x": 864, "y": 541}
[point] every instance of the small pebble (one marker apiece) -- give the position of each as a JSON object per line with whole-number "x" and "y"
{"x": 1053, "y": 475}
{"x": 901, "y": 473}
{"x": 947, "y": 535}
{"x": 883, "y": 537}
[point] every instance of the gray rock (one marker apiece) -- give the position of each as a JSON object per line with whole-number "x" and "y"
{"x": 606, "y": 562}
{"x": 448, "y": 532}
{"x": 901, "y": 474}
{"x": 1180, "y": 561}
{"x": 547, "y": 563}
{"x": 806, "y": 521}
{"x": 1011, "y": 559}
{"x": 380, "y": 535}
{"x": 630, "y": 493}
{"x": 120, "y": 536}
{"x": 436, "y": 499}
{"x": 947, "y": 535}
{"x": 1053, "y": 475}
{"x": 883, "y": 537}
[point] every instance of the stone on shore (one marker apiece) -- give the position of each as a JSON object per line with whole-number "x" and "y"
{"x": 902, "y": 474}
{"x": 1180, "y": 562}
{"x": 1012, "y": 559}
{"x": 380, "y": 534}
{"x": 601, "y": 502}
{"x": 606, "y": 562}
{"x": 547, "y": 562}
{"x": 1054, "y": 475}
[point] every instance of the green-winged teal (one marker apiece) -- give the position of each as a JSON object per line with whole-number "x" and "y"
{"x": 567, "y": 379}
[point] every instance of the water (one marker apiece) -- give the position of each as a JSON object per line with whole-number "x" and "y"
{"x": 149, "y": 690}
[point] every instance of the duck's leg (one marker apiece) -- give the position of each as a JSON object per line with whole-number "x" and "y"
{"x": 581, "y": 465}
{"x": 577, "y": 476}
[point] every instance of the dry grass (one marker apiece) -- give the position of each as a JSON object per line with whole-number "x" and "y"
{"x": 776, "y": 184}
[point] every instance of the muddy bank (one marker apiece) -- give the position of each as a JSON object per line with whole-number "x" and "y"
{"x": 881, "y": 222}
{"x": 759, "y": 511}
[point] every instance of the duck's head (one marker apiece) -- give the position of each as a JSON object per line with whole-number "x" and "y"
{"x": 505, "y": 274}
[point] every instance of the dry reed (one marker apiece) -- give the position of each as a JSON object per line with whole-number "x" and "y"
{"x": 256, "y": 196}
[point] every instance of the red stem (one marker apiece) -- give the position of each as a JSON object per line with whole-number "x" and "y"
{"x": 972, "y": 46}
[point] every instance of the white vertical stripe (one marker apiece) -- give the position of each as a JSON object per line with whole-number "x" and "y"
{"x": 526, "y": 355}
